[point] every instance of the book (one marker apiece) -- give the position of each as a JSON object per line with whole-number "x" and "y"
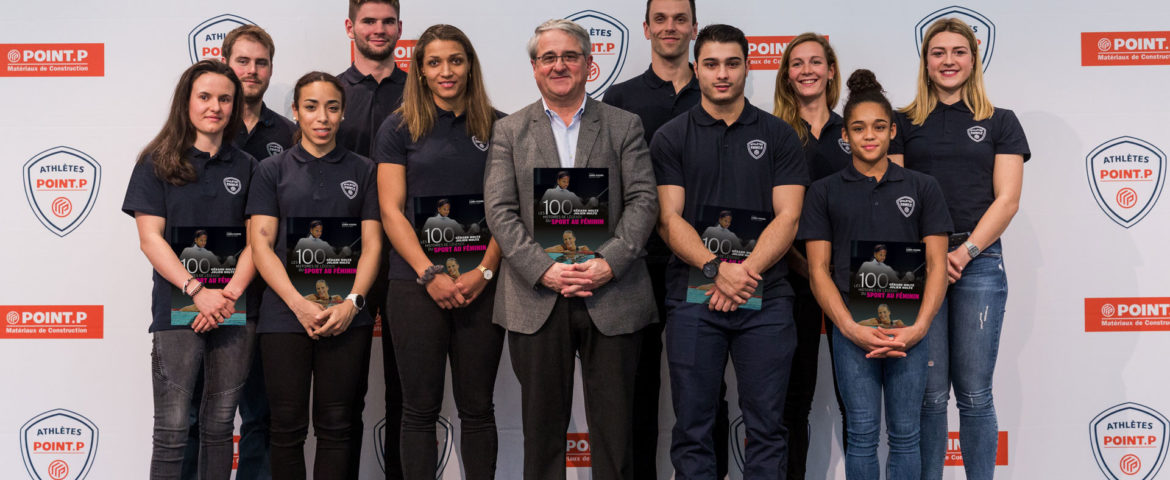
{"x": 209, "y": 254}
{"x": 322, "y": 256}
{"x": 730, "y": 234}
{"x": 571, "y": 216}
{"x": 452, "y": 231}
{"x": 886, "y": 282}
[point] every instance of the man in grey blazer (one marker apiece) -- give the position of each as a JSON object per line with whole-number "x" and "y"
{"x": 553, "y": 310}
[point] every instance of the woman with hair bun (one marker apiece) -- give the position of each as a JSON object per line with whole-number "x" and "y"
{"x": 875, "y": 365}
{"x": 977, "y": 152}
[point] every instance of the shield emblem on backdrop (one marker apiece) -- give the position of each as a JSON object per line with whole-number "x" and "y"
{"x": 61, "y": 185}
{"x": 444, "y": 435}
{"x": 1126, "y": 175}
{"x": 204, "y": 40}
{"x": 738, "y": 439}
{"x": 1129, "y": 441}
{"x": 982, "y": 26}
{"x": 611, "y": 41}
{"x": 58, "y": 445}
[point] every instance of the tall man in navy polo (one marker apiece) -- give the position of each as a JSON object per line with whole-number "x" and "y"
{"x": 249, "y": 50}
{"x": 667, "y": 89}
{"x": 725, "y": 153}
{"x": 373, "y": 89}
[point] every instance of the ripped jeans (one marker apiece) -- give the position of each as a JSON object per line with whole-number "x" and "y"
{"x": 963, "y": 344}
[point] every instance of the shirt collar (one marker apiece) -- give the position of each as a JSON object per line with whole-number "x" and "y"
{"x": 654, "y": 81}
{"x": 834, "y": 119}
{"x": 303, "y": 156}
{"x": 223, "y": 155}
{"x": 960, "y": 106}
{"x": 748, "y": 116}
{"x": 353, "y": 77}
{"x": 894, "y": 173}
{"x": 553, "y": 115}
{"x": 267, "y": 116}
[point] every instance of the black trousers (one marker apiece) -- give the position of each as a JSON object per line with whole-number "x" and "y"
{"x": 294, "y": 364}
{"x": 647, "y": 386}
{"x": 803, "y": 380}
{"x": 544, "y": 362}
{"x": 424, "y": 337}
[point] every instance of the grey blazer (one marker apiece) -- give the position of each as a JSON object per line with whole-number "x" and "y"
{"x": 609, "y": 137}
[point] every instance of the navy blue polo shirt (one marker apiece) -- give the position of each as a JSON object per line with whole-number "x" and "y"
{"x": 732, "y": 166}
{"x": 447, "y": 161}
{"x": 209, "y": 201}
{"x": 654, "y": 101}
{"x": 271, "y": 135}
{"x": 297, "y": 184}
{"x": 827, "y": 153}
{"x": 367, "y": 104}
{"x": 848, "y": 206}
{"x": 960, "y": 153}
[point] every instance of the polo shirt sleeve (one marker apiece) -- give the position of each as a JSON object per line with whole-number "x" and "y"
{"x": 897, "y": 145}
{"x": 814, "y": 215}
{"x": 390, "y": 143}
{"x": 262, "y": 199}
{"x": 668, "y": 169}
{"x": 936, "y": 217}
{"x": 613, "y": 96}
{"x": 146, "y": 192}
{"x": 370, "y": 209}
{"x": 788, "y": 163}
{"x": 1009, "y": 137}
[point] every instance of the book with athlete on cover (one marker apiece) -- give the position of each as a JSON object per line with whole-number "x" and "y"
{"x": 209, "y": 254}
{"x": 886, "y": 282}
{"x": 572, "y": 212}
{"x": 730, "y": 234}
{"x": 452, "y": 231}
{"x": 322, "y": 256}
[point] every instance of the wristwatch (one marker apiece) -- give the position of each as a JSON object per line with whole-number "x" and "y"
{"x": 487, "y": 272}
{"x": 972, "y": 250}
{"x": 711, "y": 268}
{"x": 358, "y": 301}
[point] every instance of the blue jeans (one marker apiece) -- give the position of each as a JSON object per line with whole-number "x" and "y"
{"x": 760, "y": 343}
{"x": 863, "y": 383}
{"x": 178, "y": 356}
{"x": 964, "y": 343}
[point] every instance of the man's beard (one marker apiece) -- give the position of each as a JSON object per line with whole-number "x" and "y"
{"x": 372, "y": 54}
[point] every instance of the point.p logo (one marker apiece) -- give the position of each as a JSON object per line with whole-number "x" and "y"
{"x": 1126, "y": 175}
{"x": 204, "y": 41}
{"x": 611, "y": 40}
{"x": 981, "y": 26}
{"x": 58, "y": 445}
{"x": 1129, "y": 441}
{"x": 61, "y": 185}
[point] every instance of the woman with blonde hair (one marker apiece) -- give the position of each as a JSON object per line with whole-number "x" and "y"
{"x": 977, "y": 153}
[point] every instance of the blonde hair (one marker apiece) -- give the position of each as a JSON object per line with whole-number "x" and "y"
{"x": 785, "y": 97}
{"x": 973, "y": 93}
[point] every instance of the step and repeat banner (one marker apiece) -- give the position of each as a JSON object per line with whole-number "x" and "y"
{"x": 1080, "y": 388}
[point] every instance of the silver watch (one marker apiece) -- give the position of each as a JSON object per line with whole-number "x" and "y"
{"x": 972, "y": 250}
{"x": 487, "y": 272}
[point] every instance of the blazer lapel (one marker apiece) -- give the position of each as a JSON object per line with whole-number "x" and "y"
{"x": 546, "y": 144}
{"x": 587, "y": 135}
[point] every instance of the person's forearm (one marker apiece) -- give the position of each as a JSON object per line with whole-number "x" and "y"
{"x": 262, "y": 236}
{"x": 936, "y": 280}
{"x": 491, "y": 257}
{"x": 683, "y": 240}
{"x": 404, "y": 240}
{"x": 367, "y": 266}
{"x": 773, "y": 243}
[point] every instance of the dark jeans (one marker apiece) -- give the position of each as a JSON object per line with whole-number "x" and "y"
{"x": 393, "y": 404}
{"x": 760, "y": 344}
{"x": 544, "y": 364}
{"x": 803, "y": 381}
{"x": 294, "y": 364}
{"x": 425, "y": 336}
{"x": 254, "y": 419}
{"x": 178, "y": 357}
{"x": 648, "y": 383}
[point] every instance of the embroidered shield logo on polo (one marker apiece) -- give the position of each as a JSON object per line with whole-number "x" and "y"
{"x": 905, "y": 205}
{"x": 232, "y": 184}
{"x": 976, "y": 133}
{"x": 349, "y": 188}
{"x": 274, "y": 148}
{"x": 844, "y": 146}
{"x": 756, "y": 148}
{"x": 482, "y": 146}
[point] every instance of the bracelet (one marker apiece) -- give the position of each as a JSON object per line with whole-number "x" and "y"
{"x": 429, "y": 274}
{"x": 185, "y": 284}
{"x": 197, "y": 289}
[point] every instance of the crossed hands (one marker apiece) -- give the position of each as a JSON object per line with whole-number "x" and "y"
{"x": 734, "y": 286}
{"x": 578, "y": 279}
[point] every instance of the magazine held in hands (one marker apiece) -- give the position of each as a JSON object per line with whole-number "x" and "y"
{"x": 571, "y": 212}
{"x": 886, "y": 282}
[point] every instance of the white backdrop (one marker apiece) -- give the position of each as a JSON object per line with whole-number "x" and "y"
{"x": 1054, "y": 376}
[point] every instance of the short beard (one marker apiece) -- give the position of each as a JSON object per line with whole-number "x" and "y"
{"x": 374, "y": 55}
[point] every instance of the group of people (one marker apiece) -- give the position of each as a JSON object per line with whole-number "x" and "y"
{"x": 945, "y": 170}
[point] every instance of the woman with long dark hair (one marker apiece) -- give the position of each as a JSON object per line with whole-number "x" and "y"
{"x": 808, "y": 85}
{"x": 433, "y": 149}
{"x": 952, "y": 132}
{"x": 314, "y": 224}
{"x": 189, "y": 181}
{"x": 866, "y": 202}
